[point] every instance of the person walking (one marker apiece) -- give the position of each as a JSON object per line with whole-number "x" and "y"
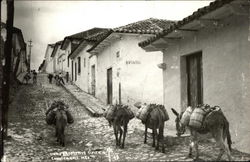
{"x": 34, "y": 76}
{"x": 50, "y": 76}
{"x": 61, "y": 78}
{"x": 67, "y": 77}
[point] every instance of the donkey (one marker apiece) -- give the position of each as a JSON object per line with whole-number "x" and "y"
{"x": 214, "y": 123}
{"x": 121, "y": 119}
{"x": 155, "y": 121}
{"x": 61, "y": 122}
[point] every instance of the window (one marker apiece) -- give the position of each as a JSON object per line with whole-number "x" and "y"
{"x": 84, "y": 62}
{"x": 79, "y": 65}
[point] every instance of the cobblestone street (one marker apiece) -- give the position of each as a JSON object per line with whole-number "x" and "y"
{"x": 88, "y": 138}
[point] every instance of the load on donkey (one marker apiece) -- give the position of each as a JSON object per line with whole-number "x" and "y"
{"x": 205, "y": 119}
{"x": 119, "y": 116}
{"x": 59, "y": 115}
{"x": 153, "y": 116}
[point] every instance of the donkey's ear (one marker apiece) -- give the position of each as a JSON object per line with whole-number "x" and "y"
{"x": 175, "y": 112}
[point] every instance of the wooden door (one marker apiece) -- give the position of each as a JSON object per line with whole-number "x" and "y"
{"x": 72, "y": 70}
{"x": 194, "y": 79}
{"x": 93, "y": 80}
{"x": 109, "y": 86}
{"x": 75, "y": 71}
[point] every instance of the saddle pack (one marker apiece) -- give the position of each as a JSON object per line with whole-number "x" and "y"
{"x": 51, "y": 113}
{"x": 109, "y": 114}
{"x": 145, "y": 110}
{"x": 194, "y": 117}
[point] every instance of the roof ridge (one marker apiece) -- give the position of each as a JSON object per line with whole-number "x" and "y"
{"x": 155, "y": 24}
{"x": 99, "y": 28}
{"x": 146, "y": 26}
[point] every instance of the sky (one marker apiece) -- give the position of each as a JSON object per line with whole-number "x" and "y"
{"x": 46, "y": 22}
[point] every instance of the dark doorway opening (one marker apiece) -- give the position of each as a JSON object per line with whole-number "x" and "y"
{"x": 194, "y": 79}
{"x": 109, "y": 86}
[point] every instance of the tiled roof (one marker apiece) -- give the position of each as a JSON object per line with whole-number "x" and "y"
{"x": 98, "y": 36}
{"x": 86, "y": 33}
{"x": 81, "y": 35}
{"x": 148, "y": 26}
{"x": 95, "y": 37}
{"x": 74, "y": 46}
{"x": 56, "y": 46}
{"x": 197, "y": 14}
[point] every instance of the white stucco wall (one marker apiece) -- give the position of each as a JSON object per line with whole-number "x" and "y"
{"x": 83, "y": 77}
{"x": 141, "y": 81}
{"x": 67, "y": 63}
{"x": 57, "y": 67}
{"x": 226, "y": 74}
{"x": 48, "y": 60}
{"x": 92, "y": 61}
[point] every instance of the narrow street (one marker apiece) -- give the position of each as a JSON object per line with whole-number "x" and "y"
{"x": 87, "y": 139}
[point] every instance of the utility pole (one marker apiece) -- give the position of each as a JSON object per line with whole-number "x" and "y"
{"x": 29, "y": 57}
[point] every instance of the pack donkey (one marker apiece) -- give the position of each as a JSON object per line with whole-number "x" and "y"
{"x": 214, "y": 123}
{"x": 59, "y": 115}
{"x": 61, "y": 122}
{"x": 155, "y": 121}
{"x": 121, "y": 119}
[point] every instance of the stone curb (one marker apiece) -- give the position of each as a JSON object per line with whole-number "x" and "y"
{"x": 90, "y": 110}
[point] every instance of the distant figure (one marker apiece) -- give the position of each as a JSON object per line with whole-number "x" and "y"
{"x": 61, "y": 78}
{"x": 67, "y": 77}
{"x": 50, "y": 76}
{"x": 34, "y": 76}
{"x": 56, "y": 76}
{"x": 27, "y": 77}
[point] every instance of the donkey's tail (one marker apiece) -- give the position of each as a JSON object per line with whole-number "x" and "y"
{"x": 229, "y": 141}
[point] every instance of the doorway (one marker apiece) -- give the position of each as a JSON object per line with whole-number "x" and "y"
{"x": 194, "y": 79}
{"x": 72, "y": 70}
{"x": 109, "y": 86}
{"x": 75, "y": 71}
{"x": 93, "y": 82}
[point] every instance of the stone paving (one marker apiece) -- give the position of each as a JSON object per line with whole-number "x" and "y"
{"x": 96, "y": 107}
{"x": 88, "y": 138}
